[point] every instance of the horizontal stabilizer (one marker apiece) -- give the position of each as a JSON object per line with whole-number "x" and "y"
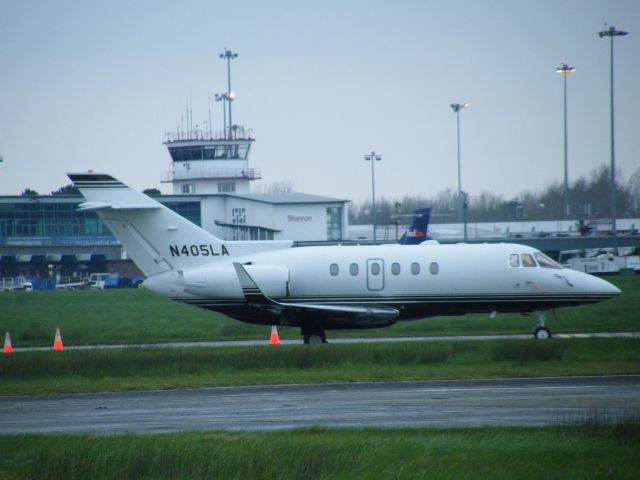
{"x": 116, "y": 206}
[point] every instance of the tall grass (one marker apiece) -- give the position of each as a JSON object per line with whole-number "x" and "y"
{"x": 526, "y": 352}
{"x": 193, "y": 361}
{"x": 145, "y": 368}
{"x": 524, "y": 453}
{"x": 599, "y": 422}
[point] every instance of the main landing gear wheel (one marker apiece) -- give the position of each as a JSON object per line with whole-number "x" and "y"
{"x": 313, "y": 335}
{"x": 314, "y": 339}
{"x": 541, "y": 332}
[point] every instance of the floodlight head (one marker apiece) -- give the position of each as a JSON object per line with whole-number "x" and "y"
{"x": 564, "y": 68}
{"x": 456, "y": 107}
{"x": 228, "y": 54}
{"x": 612, "y": 32}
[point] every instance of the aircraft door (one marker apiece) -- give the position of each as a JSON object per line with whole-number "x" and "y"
{"x": 375, "y": 274}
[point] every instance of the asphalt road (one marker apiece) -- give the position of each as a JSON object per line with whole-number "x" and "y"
{"x": 449, "y": 403}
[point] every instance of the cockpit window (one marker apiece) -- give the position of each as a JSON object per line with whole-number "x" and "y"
{"x": 527, "y": 260}
{"x": 514, "y": 260}
{"x": 546, "y": 262}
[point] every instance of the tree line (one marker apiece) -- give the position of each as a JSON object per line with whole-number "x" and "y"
{"x": 589, "y": 197}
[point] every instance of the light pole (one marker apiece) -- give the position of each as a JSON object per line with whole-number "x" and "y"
{"x": 373, "y": 157}
{"x": 465, "y": 208}
{"x": 456, "y": 109}
{"x": 223, "y": 97}
{"x": 611, "y": 33}
{"x": 565, "y": 69}
{"x": 229, "y": 55}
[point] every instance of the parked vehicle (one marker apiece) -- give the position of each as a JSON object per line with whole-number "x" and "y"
{"x": 100, "y": 281}
{"x": 601, "y": 261}
{"x": 9, "y": 284}
{"x": 72, "y": 283}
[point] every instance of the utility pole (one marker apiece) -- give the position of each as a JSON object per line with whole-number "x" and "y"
{"x": 228, "y": 55}
{"x": 373, "y": 157}
{"x": 565, "y": 69}
{"x": 611, "y": 33}
{"x": 456, "y": 107}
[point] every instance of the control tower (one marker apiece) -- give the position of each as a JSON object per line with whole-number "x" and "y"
{"x": 210, "y": 162}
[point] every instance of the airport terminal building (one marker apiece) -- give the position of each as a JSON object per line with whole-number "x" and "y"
{"x": 42, "y": 235}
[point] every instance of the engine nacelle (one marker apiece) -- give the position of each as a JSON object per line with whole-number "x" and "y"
{"x": 222, "y": 282}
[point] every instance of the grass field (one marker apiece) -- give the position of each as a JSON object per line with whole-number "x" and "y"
{"x": 557, "y": 452}
{"x": 138, "y": 316}
{"x": 161, "y": 368}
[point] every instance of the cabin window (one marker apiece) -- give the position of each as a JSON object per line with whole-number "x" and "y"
{"x": 415, "y": 268}
{"x": 354, "y": 269}
{"x": 395, "y": 268}
{"x": 546, "y": 262}
{"x": 527, "y": 260}
{"x": 334, "y": 269}
{"x": 434, "y": 268}
{"x": 514, "y": 260}
{"x": 375, "y": 269}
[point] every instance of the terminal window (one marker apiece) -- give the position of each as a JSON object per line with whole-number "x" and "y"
{"x": 334, "y": 223}
{"x": 226, "y": 187}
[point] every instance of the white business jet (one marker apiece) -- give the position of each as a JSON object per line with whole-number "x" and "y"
{"x": 332, "y": 287}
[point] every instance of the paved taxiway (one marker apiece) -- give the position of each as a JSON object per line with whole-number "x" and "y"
{"x": 443, "y": 403}
{"x": 252, "y": 343}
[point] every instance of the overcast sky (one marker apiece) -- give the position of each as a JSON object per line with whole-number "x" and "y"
{"x": 95, "y": 85}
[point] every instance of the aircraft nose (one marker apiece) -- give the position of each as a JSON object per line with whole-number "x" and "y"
{"x": 602, "y": 287}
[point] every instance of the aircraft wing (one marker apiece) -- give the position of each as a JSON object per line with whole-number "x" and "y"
{"x": 338, "y": 312}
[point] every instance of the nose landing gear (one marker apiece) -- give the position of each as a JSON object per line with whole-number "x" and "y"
{"x": 541, "y": 332}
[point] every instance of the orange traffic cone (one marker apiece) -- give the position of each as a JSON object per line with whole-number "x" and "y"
{"x": 7, "y": 343}
{"x": 57, "y": 343}
{"x": 275, "y": 339}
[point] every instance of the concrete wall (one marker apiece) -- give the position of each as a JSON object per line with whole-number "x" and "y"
{"x": 302, "y": 222}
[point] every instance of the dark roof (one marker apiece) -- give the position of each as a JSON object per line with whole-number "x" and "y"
{"x": 292, "y": 197}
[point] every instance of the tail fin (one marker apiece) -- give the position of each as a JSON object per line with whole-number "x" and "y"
{"x": 417, "y": 232}
{"x": 156, "y": 238}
